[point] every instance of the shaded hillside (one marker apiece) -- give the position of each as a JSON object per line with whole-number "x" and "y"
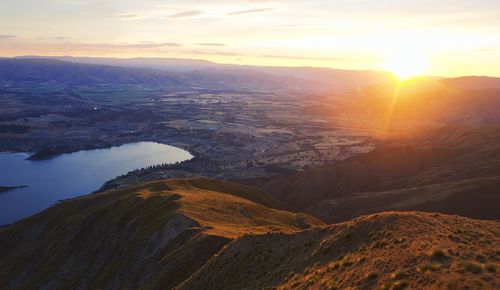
{"x": 475, "y": 197}
{"x": 360, "y": 173}
{"x": 458, "y": 176}
{"x": 155, "y": 235}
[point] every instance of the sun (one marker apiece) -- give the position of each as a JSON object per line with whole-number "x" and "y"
{"x": 405, "y": 63}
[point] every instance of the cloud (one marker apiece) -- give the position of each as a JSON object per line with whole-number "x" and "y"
{"x": 120, "y": 46}
{"x": 210, "y": 44}
{"x": 276, "y": 56}
{"x": 7, "y": 36}
{"x": 101, "y": 49}
{"x": 312, "y": 58}
{"x": 145, "y": 45}
{"x": 295, "y": 25}
{"x": 485, "y": 49}
{"x": 221, "y": 53}
{"x": 129, "y": 16}
{"x": 188, "y": 13}
{"x": 60, "y": 38}
{"x": 241, "y": 12}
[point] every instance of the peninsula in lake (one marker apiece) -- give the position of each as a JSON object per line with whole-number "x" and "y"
{"x": 7, "y": 188}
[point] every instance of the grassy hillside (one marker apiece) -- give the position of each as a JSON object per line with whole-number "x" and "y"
{"x": 156, "y": 234}
{"x": 207, "y": 234}
{"x": 385, "y": 251}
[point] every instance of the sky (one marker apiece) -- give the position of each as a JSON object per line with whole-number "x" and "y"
{"x": 442, "y": 38}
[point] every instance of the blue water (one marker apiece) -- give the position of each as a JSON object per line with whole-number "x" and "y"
{"x": 71, "y": 175}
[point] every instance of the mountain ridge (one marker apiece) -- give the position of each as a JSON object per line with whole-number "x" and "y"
{"x": 70, "y": 74}
{"x": 157, "y": 232}
{"x": 192, "y": 72}
{"x": 391, "y": 250}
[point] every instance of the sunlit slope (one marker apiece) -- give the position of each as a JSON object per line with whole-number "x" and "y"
{"x": 153, "y": 235}
{"x": 385, "y": 251}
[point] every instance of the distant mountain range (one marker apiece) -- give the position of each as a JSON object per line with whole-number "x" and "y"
{"x": 167, "y": 64}
{"x": 60, "y": 72}
{"x": 202, "y": 72}
{"x": 67, "y": 73}
{"x": 206, "y": 234}
{"x": 185, "y": 73}
{"x": 473, "y": 82}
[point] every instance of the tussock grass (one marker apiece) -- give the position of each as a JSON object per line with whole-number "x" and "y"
{"x": 473, "y": 267}
{"x": 438, "y": 255}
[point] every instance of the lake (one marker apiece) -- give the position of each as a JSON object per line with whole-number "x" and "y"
{"x": 71, "y": 175}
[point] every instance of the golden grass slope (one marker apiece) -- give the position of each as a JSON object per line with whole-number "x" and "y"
{"x": 224, "y": 208}
{"x": 383, "y": 251}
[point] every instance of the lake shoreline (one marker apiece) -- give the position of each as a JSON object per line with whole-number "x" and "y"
{"x": 74, "y": 174}
{"x": 42, "y": 153}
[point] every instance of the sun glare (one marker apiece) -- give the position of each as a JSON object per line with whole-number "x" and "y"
{"x": 405, "y": 63}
